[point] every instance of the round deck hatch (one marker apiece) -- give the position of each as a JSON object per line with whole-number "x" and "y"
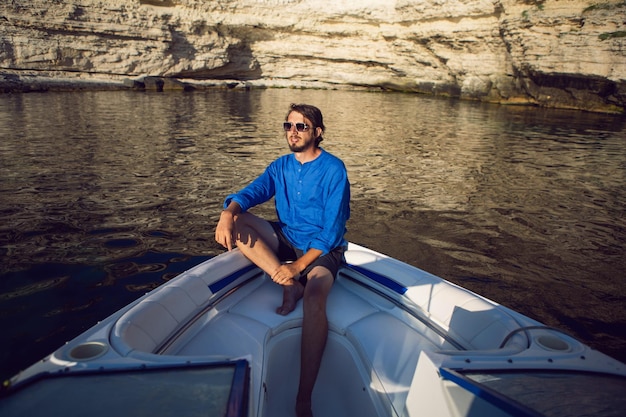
{"x": 551, "y": 342}
{"x": 88, "y": 351}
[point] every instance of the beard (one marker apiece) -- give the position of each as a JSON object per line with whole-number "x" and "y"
{"x": 297, "y": 148}
{"x": 301, "y": 146}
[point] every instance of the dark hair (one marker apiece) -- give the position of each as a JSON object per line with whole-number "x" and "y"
{"x": 312, "y": 113}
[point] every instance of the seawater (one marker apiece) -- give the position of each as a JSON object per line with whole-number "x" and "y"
{"x": 106, "y": 195}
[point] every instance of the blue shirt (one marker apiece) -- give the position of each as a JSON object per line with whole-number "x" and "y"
{"x": 312, "y": 199}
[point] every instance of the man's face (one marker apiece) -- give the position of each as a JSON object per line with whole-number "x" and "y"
{"x": 300, "y": 141}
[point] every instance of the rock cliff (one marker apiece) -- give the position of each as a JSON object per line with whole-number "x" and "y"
{"x": 565, "y": 53}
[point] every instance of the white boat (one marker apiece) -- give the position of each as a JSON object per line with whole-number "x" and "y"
{"x": 402, "y": 342}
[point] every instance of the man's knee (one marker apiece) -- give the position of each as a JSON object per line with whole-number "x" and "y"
{"x": 250, "y": 228}
{"x": 242, "y": 220}
{"x": 244, "y": 233}
{"x": 319, "y": 282}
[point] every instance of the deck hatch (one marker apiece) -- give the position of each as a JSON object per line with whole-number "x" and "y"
{"x": 206, "y": 389}
{"x": 546, "y": 393}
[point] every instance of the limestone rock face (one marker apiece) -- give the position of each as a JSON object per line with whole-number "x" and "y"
{"x": 554, "y": 53}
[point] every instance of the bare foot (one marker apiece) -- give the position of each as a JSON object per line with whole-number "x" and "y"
{"x": 304, "y": 409}
{"x": 291, "y": 294}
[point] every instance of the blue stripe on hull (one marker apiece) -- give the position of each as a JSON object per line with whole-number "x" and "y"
{"x": 222, "y": 283}
{"x": 381, "y": 279}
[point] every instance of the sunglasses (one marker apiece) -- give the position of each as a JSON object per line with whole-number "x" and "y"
{"x": 300, "y": 127}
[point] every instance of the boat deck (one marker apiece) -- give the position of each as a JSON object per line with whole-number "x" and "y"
{"x": 370, "y": 340}
{"x": 402, "y": 342}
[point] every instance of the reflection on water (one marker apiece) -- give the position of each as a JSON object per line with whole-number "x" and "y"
{"x": 105, "y": 195}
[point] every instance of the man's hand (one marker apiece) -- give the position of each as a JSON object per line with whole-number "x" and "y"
{"x": 285, "y": 273}
{"x": 225, "y": 230}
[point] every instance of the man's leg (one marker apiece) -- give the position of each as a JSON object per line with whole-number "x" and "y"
{"x": 314, "y": 335}
{"x": 257, "y": 240}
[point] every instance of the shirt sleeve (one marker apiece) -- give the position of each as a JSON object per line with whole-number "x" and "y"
{"x": 257, "y": 192}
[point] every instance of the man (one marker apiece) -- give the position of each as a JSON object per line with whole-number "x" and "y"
{"x": 312, "y": 197}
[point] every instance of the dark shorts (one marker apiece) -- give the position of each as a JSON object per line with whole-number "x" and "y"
{"x": 287, "y": 252}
